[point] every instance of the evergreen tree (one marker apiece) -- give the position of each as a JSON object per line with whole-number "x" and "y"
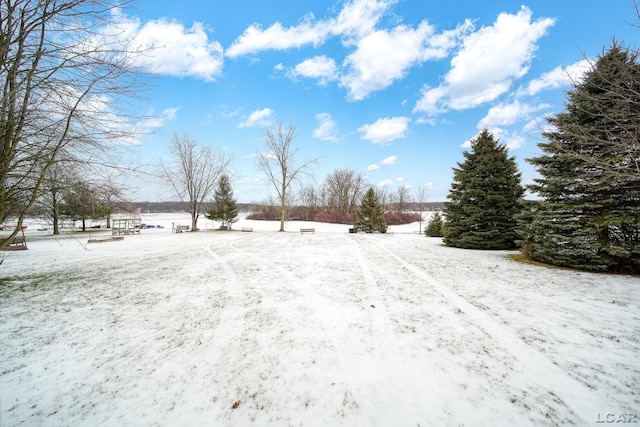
{"x": 590, "y": 174}
{"x": 484, "y": 198}
{"x": 370, "y": 216}
{"x": 82, "y": 203}
{"x": 225, "y": 208}
{"x": 435, "y": 226}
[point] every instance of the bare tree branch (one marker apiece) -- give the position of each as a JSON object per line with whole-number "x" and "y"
{"x": 278, "y": 163}
{"x": 65, "y": 82}
{"x": 193, "y": 172}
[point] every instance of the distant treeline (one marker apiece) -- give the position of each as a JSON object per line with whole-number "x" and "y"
{"x": 171, "y": 207}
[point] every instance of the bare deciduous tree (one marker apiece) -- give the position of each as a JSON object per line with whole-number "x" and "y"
{"x": 421, "y": 199}
{"x": 309, "y": 198}
{"x": 193, "y": 173}
{"x": 345, "y": 188}
{"x": 382, "y": 193}
{"x": 278, "y": 163}
{"x": 403, "y": 196}
{"x": 65, "y": 81}
{"x": 58, "y": 179}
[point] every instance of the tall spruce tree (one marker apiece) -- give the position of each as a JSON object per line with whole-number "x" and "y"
{"x": 590, "y": 172}
{"x": 225, "y": 208}
{"x": 485, "y": 197}
{"x": 370, "y": 216}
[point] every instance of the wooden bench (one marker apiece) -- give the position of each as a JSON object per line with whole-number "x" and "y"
{"x": 180, "y": 228}
{"x": 307, "y": 230}
{"x": 247, "y": 229}
{"x": 18, "y": 243}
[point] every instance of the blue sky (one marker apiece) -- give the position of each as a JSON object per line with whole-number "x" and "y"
{"x": 393, "y": 89}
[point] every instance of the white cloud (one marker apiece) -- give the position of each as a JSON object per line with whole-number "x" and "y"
{"x": 512, "y": 140}
{"x": 383, "y": 56}
{"x": 507, "y": 114}
{"x": 558, "y": 77}
{"x": 230, "y": 114}
{"x": 169, "y": 48}
{"x": 385, "y": 130}
{"x": 262, "y": 117}
{"x": 391, "y": 160}
{"x": 373, "y": 167}
{"x": 249, "y": 180}
{"x": 386, "y": 182}
{"x": 256, "y": 39}
{"x": 161, "y": 120}
{"x": 535, "y": 125}
{"x": 327, "y": 128}
{"x": 425, "y": 121}
{"x": 380, "y": 58}
{"x": 356, "y": 19}
{"x": 430, "y": 101}
{"x": 322, "y": 68}
{"x": 103, "y": 115}
{"x": 489, "y": 61}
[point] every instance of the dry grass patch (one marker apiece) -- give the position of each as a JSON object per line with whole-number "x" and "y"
{"x": 523, "y": 259}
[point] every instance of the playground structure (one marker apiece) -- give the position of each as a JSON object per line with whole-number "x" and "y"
{"x": 125, "y": 225}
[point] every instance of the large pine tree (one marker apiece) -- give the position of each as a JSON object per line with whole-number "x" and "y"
{"x": 590, "y": 172}
{"x": 485, "y": 197}
{"x": 370, "y": 216}
{"x": 225, "y": 208}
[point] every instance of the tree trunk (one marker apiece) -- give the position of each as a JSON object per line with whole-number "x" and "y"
{"x": 194, "y": 221}
{"x": 84, "y": 225}
{"x": 55, "y": 217}
{"x": 194, "y": 216}
{"x": 283, "y": 199}
{"x": 282, "y": 214}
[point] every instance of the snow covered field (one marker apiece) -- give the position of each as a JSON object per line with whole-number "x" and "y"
{"x": 266, "y": 328}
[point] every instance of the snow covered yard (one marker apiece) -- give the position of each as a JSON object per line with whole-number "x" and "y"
{"x": 331, "y": 328}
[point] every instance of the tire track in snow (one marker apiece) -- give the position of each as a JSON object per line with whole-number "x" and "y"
{"x": 382, "y": 330}
{"x": 583, "y": 401}
{"x": 231, "y": 321}
{"x": 380, "y": 318}
{"x": 285, "y": 337}
{"x": 312, "y": 300}
{"x": 354, "y": 345}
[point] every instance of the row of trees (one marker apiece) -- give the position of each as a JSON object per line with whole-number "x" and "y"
{"x": 337, "y": 198}
{"x": 72, "y": 198}
{"x": 66, "y": 85}
{"x": 340, "y": 193}
{"x": 588, "y": 214}
{"x": 65, "y": 108}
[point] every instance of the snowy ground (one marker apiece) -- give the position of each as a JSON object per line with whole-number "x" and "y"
{"x": 266, "y": 328}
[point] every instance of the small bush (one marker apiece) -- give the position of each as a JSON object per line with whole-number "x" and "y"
{"x": 435, "y": 228}
{"x": 334, "y": 217}
{"x": 400, "y": 218}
